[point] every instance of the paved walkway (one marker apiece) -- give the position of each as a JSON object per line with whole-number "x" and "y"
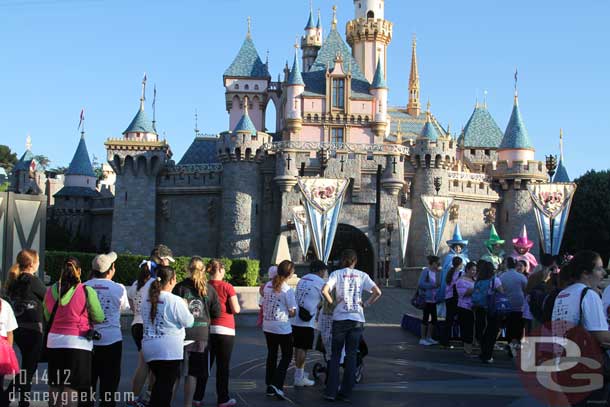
{"x": 390, "y": 308}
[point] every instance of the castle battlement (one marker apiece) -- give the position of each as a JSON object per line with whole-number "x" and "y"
{"x": 242, "y": 145}
{"x": 439, "y": 153}
{"x": 368, "y": 29}
{"x": 505, "y": 169}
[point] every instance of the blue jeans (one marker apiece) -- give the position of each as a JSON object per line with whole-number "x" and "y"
{"x": 345, "y": 333}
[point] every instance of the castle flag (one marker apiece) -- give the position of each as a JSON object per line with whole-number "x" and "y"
{"x": 404, "y": 220}
{"x": 300, "y": 222}
{"x": 437, "y": 211}
{"x": 323, "y": 203}
{"x": 552, "y": 203}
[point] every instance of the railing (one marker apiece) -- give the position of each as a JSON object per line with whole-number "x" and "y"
{"x": 468, "y": 176}
{"x": 192, "y": 168}
{"x": 349, "y": 147}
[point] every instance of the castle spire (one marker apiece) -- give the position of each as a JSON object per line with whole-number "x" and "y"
{"x": 414, "y": 107}
{"x": 561, "y": 175}
{"x": 295, "y": 78}
{"x": 28, "y": 142}
{"x": 319, "y": 24}
{"x": 249, "y": 34}
{"x": 310, "y": 25}
{"x": 561, "y": 144}
{"x": 143, "y": 98}
{"x": 333, "y": 26}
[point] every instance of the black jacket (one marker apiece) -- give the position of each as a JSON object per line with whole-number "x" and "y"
{"x": 202, "y": 308}
{"x": 26, "y": 295}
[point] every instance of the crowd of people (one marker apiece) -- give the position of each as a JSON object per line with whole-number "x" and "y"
{"x": 180, "y": 329}
{"x": 511, "y": 296}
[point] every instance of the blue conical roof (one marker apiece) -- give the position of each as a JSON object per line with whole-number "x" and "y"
{"x": 310, "y": 25}
{"x": 247, "y": 63}
{"x": 379, "y": 81}
{"x": 81, "y": 164}
{"x": 140, "y": 124}
{"x": 245, "y": 124}
{"x": 319, "y": 24}
{"x": 429, "y": 131}
{"x": 562, "y": 173}
{"x": 481, "y": 130}
{"x": 295, "y": 78}
{"x": 515, "y": 136}
{"x": 25, "y": 161}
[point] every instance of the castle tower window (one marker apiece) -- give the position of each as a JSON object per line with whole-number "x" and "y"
{"x": 237, "y": 86}
{"x": 247, "y": 87}
{"x": 370, "y": 14}
{"x": 487, "y": 152}
{"x": 336, "y": 135}
{"x": 473, "y": 151}
{"x": 256, "y": 87}
{"x": 338, "y": 93}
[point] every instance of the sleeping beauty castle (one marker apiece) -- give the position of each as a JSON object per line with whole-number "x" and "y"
{"x": 239, "y": 193}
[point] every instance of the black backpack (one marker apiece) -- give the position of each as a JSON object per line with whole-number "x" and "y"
{"x": 536, "y": 302}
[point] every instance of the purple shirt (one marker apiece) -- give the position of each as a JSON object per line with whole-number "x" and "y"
{"x": 464, "y": 300}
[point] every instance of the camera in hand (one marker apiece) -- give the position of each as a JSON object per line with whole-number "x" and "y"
{"x": 93, "y": 335}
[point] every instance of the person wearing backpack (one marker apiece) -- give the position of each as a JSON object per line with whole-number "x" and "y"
{"x": 486, "y": 321}
{"x": 429, "y": 283}
{"x": 513, "y": 283}
{"x": 579, "y": 305}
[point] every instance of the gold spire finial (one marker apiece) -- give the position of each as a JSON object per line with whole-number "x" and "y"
{"x": 561, "y": 144}
{"x": 28, "y": 142}
{"x": 485, "y": 99}
{"x": 334, "y": 23}
{"x": 516, "y": 90}
{"x": 428, "y": 113}
{"x": 249, "y": 26}
{"x": 296, "y": 43}
{"x": 414, "y": 106}
{"x": 245, "y": 105}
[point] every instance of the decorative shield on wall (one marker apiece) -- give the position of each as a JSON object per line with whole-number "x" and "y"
{"x": 323, "y": 202}
{"x": 404, "y": 220}
{"x": 300, "y": 222}
{"x": 437, "y": 211}
{"x": 552, "y": 203}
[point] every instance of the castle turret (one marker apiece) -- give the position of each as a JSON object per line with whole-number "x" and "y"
{"x": 28, "y": 176}
{"x": 414, "y": 107}
{"x": 379, "y": 90}
{"x": 241, "y": 153}
{"x": 514, "y": 170}
{"x": 562, "y": 173}
{"x": 247, "y": 77}
{"x": 432, "y": 156}
{"x": 137, "y": 159}
{"x": 311, "y": 42}
{"x": 295, "y": 86}
{"x": 369, "y": 35}
{"x": 80, "y": 173}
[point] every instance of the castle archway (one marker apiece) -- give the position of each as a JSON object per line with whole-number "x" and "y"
{"x": 349, "y": 237}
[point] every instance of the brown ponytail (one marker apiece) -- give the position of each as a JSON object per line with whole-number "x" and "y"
{"x": 70, "y": 275}
{"x": 213, "y": 267}
{"x": 284, "y": 271}
{"x": 25, "y": 259}
{"x": 164, "y": 276}
{"x": 196, "y": 267}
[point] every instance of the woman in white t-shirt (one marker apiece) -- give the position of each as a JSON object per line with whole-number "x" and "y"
{"x": 8, "y": 360}
{"x": 279, "y": 305}
{"x": 165, "y": 317}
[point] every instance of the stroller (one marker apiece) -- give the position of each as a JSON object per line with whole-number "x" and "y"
{"x": 323, "y": 344}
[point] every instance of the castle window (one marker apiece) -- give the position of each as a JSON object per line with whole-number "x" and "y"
{"x": 256, "y": 87}
{"x": 336, "y": 135}
{"x": 472, "y": 151}
{"x": 247, "y": 87}
{"x": 338, "y": 94}
{"x": 487, "y": 152}
{"x": 237, "y": 86}
{"x": 370, "y": 14}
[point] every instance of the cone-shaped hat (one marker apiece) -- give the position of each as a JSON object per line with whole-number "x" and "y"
{"x": 457, "y": 237}
{"x": 522, "y": 241}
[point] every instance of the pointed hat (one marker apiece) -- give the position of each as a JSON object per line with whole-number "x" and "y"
{"x": 457, "y": 237}
{"x": 493, "y": 238}
{"x": 522, "y": 241}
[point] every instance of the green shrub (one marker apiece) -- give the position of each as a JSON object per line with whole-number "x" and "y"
{"x": 239, "y": 272}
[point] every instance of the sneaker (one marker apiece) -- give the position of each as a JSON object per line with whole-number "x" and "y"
{"x": 424, "y": 342}
{"x": 489, "y": 361}
{"x": 228, "y": 403}
{"x": 304, "y": 382}
{"x": 279, "y": 393}
{"x": 270, "y": 392}
{"x": 329, "y": 398}
{"x": 432, "y": 341}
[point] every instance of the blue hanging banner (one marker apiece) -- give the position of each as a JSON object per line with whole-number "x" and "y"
{"x": 552, "y": 203}
{"x": 323, "y": 203}
{"x": 437, "y": 211}
{"x": 302, "y": 228}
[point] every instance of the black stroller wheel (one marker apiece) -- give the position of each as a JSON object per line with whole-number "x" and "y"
{"x": 318, "y": 369}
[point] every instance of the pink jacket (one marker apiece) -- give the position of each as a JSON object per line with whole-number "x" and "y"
{"x": 72, "y": 318}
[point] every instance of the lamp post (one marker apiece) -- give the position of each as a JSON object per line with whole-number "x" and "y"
{"x": 551, "y": 166}
{"x": 438, "y": 182}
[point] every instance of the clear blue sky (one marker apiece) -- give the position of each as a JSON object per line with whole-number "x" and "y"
{"x": 61, "y": 55}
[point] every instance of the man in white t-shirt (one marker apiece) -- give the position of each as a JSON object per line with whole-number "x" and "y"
{"x": 308, "y": 297}
{"x": 348, "y": 321}
{"x": 108, "y": 349}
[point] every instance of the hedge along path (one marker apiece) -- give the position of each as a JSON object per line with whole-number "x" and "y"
{"x": 239, "y": 272}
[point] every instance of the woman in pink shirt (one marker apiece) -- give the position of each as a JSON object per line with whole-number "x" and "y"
{"x": 464, "y": 287}
{"x": 71, "y": 309}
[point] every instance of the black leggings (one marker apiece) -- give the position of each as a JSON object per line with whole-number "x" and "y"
{"x": 451, "y": 305}
{"x": 429, "y": 313}
{"x": 466, "y": 317}
{"x": 29, "y": 343}
{"x": 166, "y": 373}
{"x": 514, "y": 326}
{"x": 106, "y": 368}
{"x": 276, "y": 373}
{"x": 488, "y": 326}
{"x": 221, "y": 348}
